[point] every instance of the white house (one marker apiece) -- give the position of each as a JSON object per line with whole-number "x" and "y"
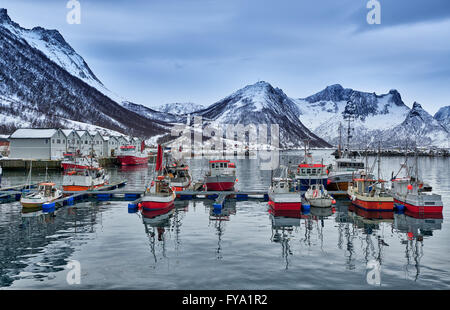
{"x": 27, "y": 143}
{"x": 86, "y": 142}
{"x": 97, "y": 141}
{"x": 73, "y": 140}
{"x": 111, "y": 146}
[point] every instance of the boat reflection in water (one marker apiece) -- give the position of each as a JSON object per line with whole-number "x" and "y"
{"x": 218, "y": 218}
{"x": 413, "y": 230}
{"x": 284, "y": 223}
{"x": 156, "y": 222}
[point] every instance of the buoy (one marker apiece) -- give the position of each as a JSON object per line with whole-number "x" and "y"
{"x": 237, "y": 180}
{"x": 410, "y": 187}
{"x": 410, "y": 235}
{"x": 333, "y": 202}
{"x": 328, "y": 181}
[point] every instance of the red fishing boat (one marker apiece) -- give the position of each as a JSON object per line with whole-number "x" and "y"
{"x": 411, "y": 194}
{"x": 75, "y": 161}
{"x": 130, "y": 156}
{"x": 221, "y": 176}
{"x": 159, "y": 195}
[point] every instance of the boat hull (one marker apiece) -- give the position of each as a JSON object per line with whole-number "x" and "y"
{"x": 75, "y": 188}
{"x": 132, "y": 160}
{"x": 320, "y": 203}
{"x": 220, "y": 183}
{"x": 156, "y": 202}
{"x": 418, "y": 209}
{"x": 285, "y": 201}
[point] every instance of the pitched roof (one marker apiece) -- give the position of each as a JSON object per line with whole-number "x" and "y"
{"x": 30, "y": 133}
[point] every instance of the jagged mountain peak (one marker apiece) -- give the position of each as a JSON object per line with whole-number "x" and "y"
{"x": 49, "y": 35}
{"x": 261, "y": 103}
{"x": 4, "y": 17}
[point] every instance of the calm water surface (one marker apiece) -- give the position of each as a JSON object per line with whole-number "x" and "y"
{"x": 243, "y": 248}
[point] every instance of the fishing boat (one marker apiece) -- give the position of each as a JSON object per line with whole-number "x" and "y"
{"x": 347, "y": 166}
{"x": 129, "y": 155}
{"x": 179, "y": 176}
{"x": 1, "y": 174}
{"x": 159, "y": 195}
{"x": 283, "y": 194}
{"x": 370, "y": 194}
{"x": 410, "y": 193}
{"x": 84, "y": 179}
{"x": 309, "y": 173}
{"x": 317, "y": 196}
{"x": 46, "y": 193}
{"x": 221, "y": 176}
{"x": 75, "y": 161}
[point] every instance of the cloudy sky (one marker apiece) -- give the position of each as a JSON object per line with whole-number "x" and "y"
{"x": 160, "y": 51}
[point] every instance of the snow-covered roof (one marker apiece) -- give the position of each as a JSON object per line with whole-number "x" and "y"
{"x": 81, "y": 133}
{"x": 67, "y": 132}
{"x": 28, "y": 133}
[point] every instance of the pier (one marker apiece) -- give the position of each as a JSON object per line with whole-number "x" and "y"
{"x": 112, "y": 192}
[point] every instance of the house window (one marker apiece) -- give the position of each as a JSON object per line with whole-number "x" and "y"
{"x": 85, "y": 142}
{"x": 46, "y": 141}
{"x": 58, "y": 141}
{"x": 53, "y": 140}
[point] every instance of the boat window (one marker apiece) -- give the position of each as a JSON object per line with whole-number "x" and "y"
{"x": 213, "y": 165}
{"x": 303, "y": 171}
{"x": 314, "y": 171}
{"x": 221, "y": 165}
{"x": 225, "y": 165}
{"x": 308, "y": 171}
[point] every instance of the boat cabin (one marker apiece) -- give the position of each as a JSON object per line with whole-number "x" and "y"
{"x": 282, "y": 185}
{"x": 48, "y": 189}
{"x": 349, "y": 164}
{"x": 311, "y": 170}
{"x": 221, "y": 167}
{"x": 125, "y": 149}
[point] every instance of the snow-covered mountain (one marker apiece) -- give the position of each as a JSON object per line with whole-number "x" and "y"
{"x": 45, "y": 83}
{"x": 153, "y": 114}
{"x": 443, "y": 117}
{"x": 180, "y": 108}
{"x": 420, "y": 127}
{"x": 382, "y": 118}
{"x": 260, "y": 103}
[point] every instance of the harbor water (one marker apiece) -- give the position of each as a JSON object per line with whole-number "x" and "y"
{"x": 245, "y": 247}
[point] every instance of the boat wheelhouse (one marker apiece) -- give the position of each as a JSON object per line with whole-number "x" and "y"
{"x": 129, "y": 155}
{"x": 309, "y": 174}
{"x": 221, "y": 176}
{"x": 343, "y": 171}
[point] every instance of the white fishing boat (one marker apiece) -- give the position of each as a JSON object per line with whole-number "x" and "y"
{"x": 46, "y": 193}
{"x": 317, "y": 196}
{"x": 85, "y": 179}
{"x": 283, "y": 194}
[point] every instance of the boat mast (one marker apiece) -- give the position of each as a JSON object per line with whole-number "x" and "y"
{"x": 379, "y": 161}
